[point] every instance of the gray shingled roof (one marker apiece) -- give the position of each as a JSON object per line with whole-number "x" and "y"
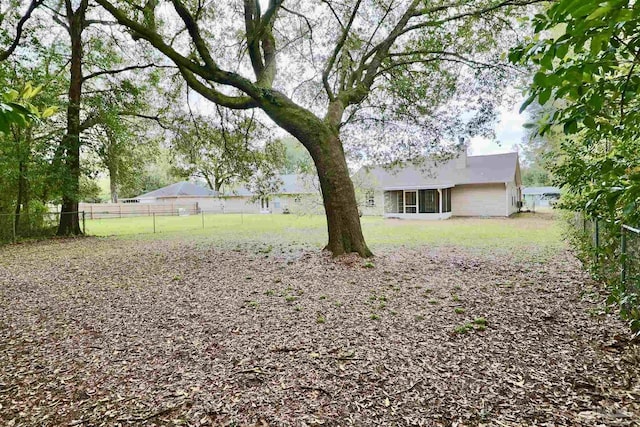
{"x": 291, "y": 184}
{"x": 489, "y": 169}
{"x": 183, "y": 189}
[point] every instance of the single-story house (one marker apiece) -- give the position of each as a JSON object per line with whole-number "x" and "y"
{"x": 540, "y": 196}
{"x": 487, "y": 186}
{"x": 180, "y": 192}
{"x": 297, "y": 193}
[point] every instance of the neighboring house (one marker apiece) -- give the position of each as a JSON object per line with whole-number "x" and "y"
{"x": 540, "y": 196}
{"x": 298, "y": 193}
{"x": 180, "y": 192}
{"x": 465, "y": 186}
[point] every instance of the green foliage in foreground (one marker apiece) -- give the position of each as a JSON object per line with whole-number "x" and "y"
{"x": 588, "y": 79}
{"x": 586, "y": 55}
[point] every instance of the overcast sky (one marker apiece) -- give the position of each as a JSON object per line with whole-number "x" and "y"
{"x": 509, "y": 132}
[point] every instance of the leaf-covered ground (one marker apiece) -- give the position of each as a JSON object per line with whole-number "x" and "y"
{"x": 171, "y": 332}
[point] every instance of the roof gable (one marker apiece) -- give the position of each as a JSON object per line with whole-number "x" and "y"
{"x": 291, "y": 184}
{"x": 179, "y": 189}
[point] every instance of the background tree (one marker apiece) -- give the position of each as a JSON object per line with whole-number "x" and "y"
{"x": 224, "y": 149}
{"x": 92, "y": 61}
{"x": 539, "y": 152}
{"x": 10, "y": 32}
{"x": 403, "y": 60}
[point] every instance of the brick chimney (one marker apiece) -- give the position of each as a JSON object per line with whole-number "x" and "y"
{"x": 461, "y": 159}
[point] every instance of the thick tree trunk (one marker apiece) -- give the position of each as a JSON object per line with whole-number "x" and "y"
{"x": 338, "y": 195}
{"x": 322, "y": 139}
{"x": 69, "y": 217}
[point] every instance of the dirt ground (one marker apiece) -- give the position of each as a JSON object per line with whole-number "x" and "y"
{"x": 168, "y": 332}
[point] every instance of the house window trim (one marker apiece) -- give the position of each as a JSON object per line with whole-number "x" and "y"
{"x": 413, "y": 206}
{"x": 370, "y": 199}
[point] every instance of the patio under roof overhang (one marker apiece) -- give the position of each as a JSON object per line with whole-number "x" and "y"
{"x": 418, "y": 201}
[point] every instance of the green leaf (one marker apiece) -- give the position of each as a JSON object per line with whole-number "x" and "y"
{"x": 50, "y": 111}
{"x": 601, "y": 11}
{"x": 570, "y": 127}
{"x": 544, "y": 96}
{"x": 540, "y": 79}
{"x": 527, "y": 102}
{"x": 11, "y": 95}
{"x": 589, "y": 122}
{"x": 562, "y": 50}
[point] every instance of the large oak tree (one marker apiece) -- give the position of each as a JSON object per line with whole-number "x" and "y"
{"x": 401, "y": 54}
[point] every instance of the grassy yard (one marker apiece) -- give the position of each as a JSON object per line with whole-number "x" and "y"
{"x": 525, "y": 230}
{"x": 464, "y": 322}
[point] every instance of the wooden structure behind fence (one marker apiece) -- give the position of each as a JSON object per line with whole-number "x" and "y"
{"x": 123, "y": 210}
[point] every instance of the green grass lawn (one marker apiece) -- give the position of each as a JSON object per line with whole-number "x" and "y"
{"x": 526, "y": 230}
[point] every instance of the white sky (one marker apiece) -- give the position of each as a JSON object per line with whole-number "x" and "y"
{"x": 509, "y": 132}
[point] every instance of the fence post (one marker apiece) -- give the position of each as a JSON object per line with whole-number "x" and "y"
{"x": 623, "y": 254}
{"x": 154, "y": 223}
{"x": 84, "y": 223}
{"x": 597, "y": 238}
{"x": 13, "y": 227}
{"x": 202, "y": 213}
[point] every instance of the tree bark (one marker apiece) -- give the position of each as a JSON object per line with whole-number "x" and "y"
{"x": 339, "y": 198}
{"x": 69, "y": 217}
{"x": 322, "y": 139}
{"x": 113, "y": 183}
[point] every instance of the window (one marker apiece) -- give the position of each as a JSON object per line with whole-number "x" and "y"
{"x": 276, "y": 203}
{"x": 370, "y": 199}
{"x": 410, "y": 202}
{"x": 264, "y": 203}
{"x": 446, "y": 200}
{"x": 429, "y": 201}
{"x": 393, "y": 201}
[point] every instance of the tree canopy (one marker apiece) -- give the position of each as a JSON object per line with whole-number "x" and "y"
{"x": 316, "y": 68}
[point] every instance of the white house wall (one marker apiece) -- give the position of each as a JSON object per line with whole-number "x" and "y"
{"x": 512, "y": 198}
{"x": 377, "y": 209}
{"x": 479, "y": 200}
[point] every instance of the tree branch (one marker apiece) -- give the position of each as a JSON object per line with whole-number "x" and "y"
{"x": 233, "y": 102}
{"x": 461, "y": 15}
{"x": 19, "y": 28}
{"x": 212, "y": 73}
{"x": 338, "y": 47}
{"x": 122, "y": 70}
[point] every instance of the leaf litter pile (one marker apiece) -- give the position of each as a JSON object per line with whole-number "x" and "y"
{"x": 123, "y": 332}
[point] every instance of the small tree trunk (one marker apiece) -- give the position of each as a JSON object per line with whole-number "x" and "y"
{"x": 21, "y": 192}
{"x": 113, "y": 183}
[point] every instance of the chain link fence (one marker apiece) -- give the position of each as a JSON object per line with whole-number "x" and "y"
{"x": 611, "y": 251}
{"x": 15, "y": 228}
{"x": 31, "y": 225}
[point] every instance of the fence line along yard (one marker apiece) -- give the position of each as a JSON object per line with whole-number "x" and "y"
{"x": 121, "y": 210}
{"x": 14, "y": 227}
{"x": 612, "y": 253}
